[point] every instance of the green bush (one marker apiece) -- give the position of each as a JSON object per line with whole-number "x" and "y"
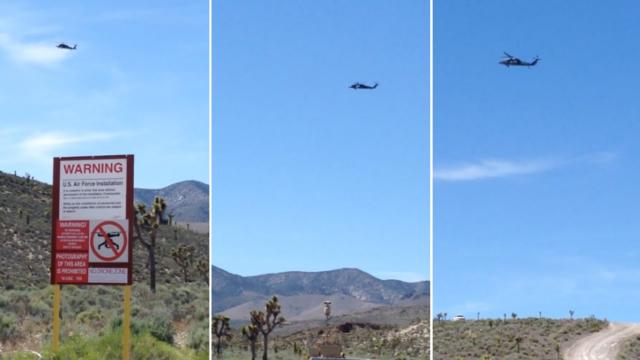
{"x": 8, "y": 328}
{"x": 39, "y": 309}
{"x": 4, "y": 302}
{"x": 20, "y": 356}
{"x": 162, "y": 329}
{"x": 198, "y": 338}
{"x": 91, "y": 316}
{"x": 159, "y": 326}
{"x": 144, "y": 347}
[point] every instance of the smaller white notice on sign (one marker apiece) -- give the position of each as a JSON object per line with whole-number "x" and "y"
{"x": 108, "y": 275}
{"x": 93, "y": 189}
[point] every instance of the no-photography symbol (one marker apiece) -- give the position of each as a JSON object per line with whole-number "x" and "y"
{"x": 108, "y": 241}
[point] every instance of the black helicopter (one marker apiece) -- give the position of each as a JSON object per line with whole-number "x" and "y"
{"x": 509, "y": 60}
{"x": 66, "y": 47}
{"x": 357, "y": 86}
{"x": 111, "y": 236}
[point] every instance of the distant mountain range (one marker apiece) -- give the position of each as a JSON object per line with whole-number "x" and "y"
{"x": 187, "y": 200}
{"x": 302, "y": 293}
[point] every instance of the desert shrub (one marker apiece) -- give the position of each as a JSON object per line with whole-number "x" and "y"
{"x": 4, "y": 301}
{"x": 39, "y": 309}
{"x": 8, "y": 328}
{"x": 77, "y": 347}
{"x": 147, "y": 347}
{"x": 20, "y": 356}
{"x": 181, "y": 296}
{"x": 144, "y": 347}
{"x": 158, "y": 326}
{"x": 161, "y": 328}
{"x": 90, "y": 316}
{"x": 198, "y": 337}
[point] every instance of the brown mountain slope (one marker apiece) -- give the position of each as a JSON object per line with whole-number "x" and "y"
{"x": 302, "y": 293}
{"x": 25, "y": 240}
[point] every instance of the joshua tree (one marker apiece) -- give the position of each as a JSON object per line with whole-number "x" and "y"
{"x": 571, "y": 312}
{"x": 150, "y": 222}
{"x": 267, "y": 321}
{"x": 439, "y": 317}
{"x": 514, "y": 315}
{"x": 518, "y": 342}
{"x": 183, "y": 256}
{"x": 202, "y": 267}
{"x": 221, "y": 330}
{"x": 251, "y": 332}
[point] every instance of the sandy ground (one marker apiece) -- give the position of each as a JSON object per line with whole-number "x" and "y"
{"x": 603, "y": 345}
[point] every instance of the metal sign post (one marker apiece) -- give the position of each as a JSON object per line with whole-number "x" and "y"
{"x": 55, "y": 340}
{"x": 126, "y": 322}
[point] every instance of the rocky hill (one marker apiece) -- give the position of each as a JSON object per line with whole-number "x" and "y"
{"x": 25, "y": 238}
{"x": 509, "y": 339}
{"x": 188, "y": 200}
{"x": 302, "y": 293}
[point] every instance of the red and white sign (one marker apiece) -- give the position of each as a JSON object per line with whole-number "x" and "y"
{"x": 72, "y": 235}
{"x": 92, "y": 220}
{"x": 71, "y": 268}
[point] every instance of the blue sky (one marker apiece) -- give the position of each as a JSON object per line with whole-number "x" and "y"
{"x": 536, "y": 180}
{"x": 138, "y": 83}
{"x": 308, "y": 174}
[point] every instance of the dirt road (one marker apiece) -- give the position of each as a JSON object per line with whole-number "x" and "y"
{"x": 603, "y": 345}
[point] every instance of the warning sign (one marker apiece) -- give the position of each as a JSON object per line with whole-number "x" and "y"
{"x": 72, "y": 235}
{"x": 92, "y": 214}
{"x": 71, "y": 268}
{"x": 109, "y": 240}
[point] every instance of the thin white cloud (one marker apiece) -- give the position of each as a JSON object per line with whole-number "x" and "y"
{"x": 39, "y": 53}
{"x": 44, "y": 145}
{"x": 492, "y": 169}
{"x": 26, "y": 152}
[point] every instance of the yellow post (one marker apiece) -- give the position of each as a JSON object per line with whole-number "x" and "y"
{"x": 55, "y": 340}
{"x": 126, "y": 322}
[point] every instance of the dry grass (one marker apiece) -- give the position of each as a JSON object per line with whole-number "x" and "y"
{"x": 630, "y": 349}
